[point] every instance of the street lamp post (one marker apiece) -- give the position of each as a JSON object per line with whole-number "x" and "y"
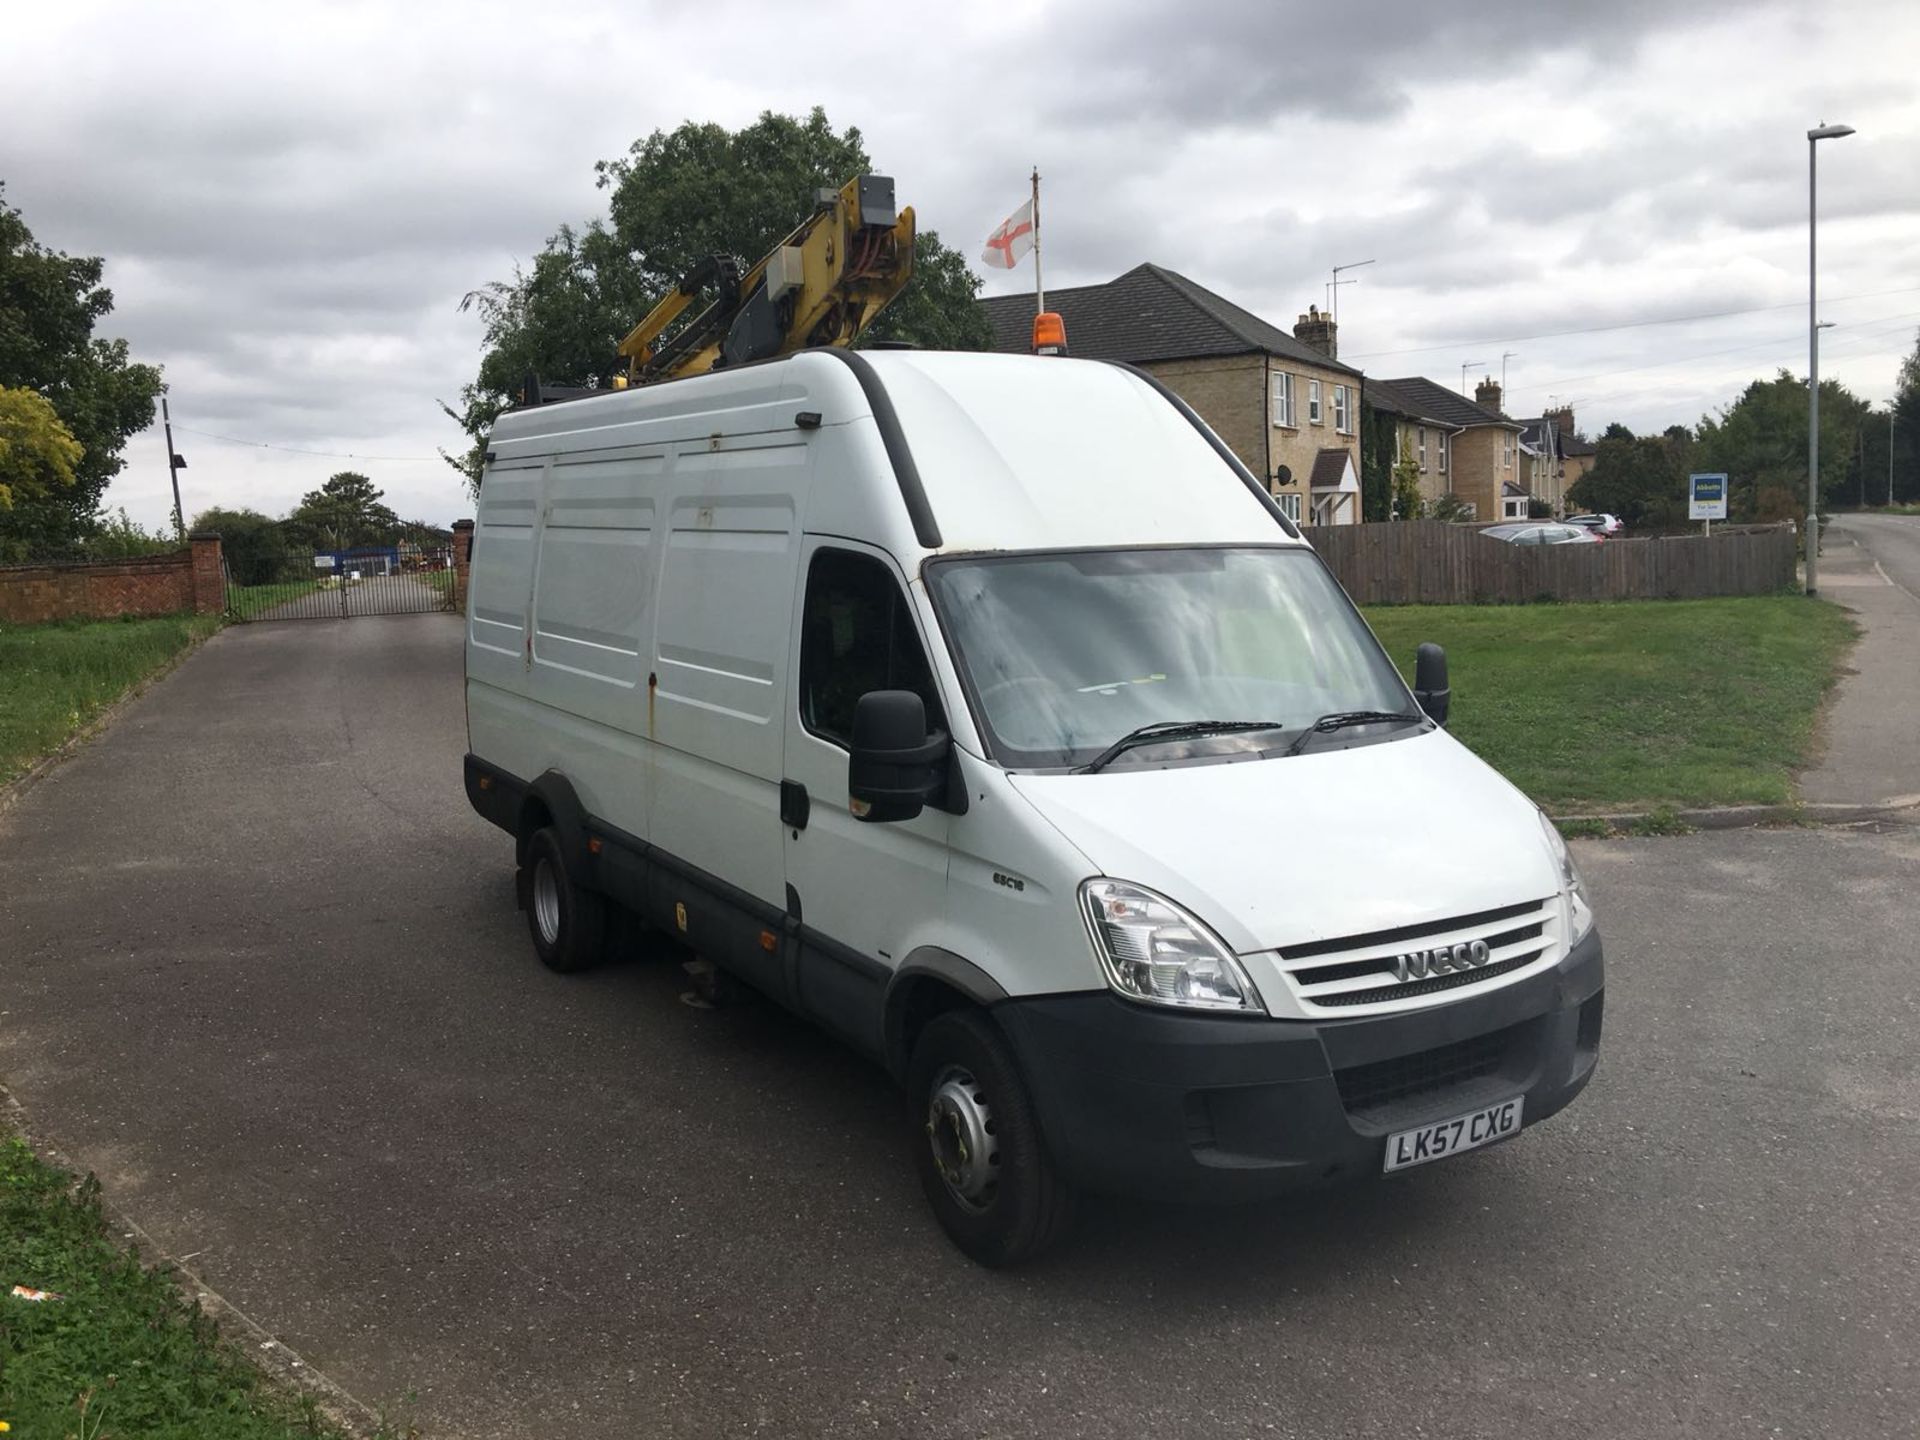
{"x": 1814, "y": 137}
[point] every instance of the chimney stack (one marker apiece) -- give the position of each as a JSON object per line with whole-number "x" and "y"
{"x": 1562, "y": 418}
{"x": 1317, "y": 331}
{"x": 1487, "y": 396}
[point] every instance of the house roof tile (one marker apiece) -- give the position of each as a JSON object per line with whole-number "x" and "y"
{"x": 1430, "y": 400}
{"x": 1149, "y": 313}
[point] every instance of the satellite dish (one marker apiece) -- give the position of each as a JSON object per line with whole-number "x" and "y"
{"x": 1283, "y": 476}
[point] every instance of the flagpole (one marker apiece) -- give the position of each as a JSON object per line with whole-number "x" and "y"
{"x": 1039, "y": 290}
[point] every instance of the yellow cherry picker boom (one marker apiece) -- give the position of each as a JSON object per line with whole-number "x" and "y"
{"x": 822, "y": 285}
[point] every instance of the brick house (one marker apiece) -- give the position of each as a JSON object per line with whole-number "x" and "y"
{"x": 1482, "y": 448}
{"x": 1284, "y": 403}
{"x": 1419, "y": 434}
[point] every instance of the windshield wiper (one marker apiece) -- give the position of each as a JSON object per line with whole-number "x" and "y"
{"x": 1171, "y": 730}
{"x": 1341, "y": 719}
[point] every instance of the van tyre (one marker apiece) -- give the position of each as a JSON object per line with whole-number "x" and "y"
{"x": 568, "y": 921}
{"x": 977, "y": 1143}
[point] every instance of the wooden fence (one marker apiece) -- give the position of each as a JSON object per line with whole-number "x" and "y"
{"x": 1430, "y": 562}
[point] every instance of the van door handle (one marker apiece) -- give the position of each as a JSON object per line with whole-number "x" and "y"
{"x": 793, "y": 804}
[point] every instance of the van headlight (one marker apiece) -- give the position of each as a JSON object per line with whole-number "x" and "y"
{"x": 1573, "y": 889}
{"x": 1153, "y": 950}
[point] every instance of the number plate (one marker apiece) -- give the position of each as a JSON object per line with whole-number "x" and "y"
{"x": 1450, "y": 1137}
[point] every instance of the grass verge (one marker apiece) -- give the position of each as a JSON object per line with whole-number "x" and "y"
{"x": 1638, "y": 704}
{"x": 121, "y": 1352}
{"x": 246, "y": 601}
{"x": 56, "y": 678}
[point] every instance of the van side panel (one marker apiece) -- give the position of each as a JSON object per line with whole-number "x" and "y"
{"x": 593, "y": 587}
{"x": 728, "y": 567}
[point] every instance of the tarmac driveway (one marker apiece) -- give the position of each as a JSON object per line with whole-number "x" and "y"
{"x": 260, "y": 967}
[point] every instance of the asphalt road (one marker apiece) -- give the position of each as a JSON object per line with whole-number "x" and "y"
{"x": 1893, "y": 540}
{"x": 260, "y": 967}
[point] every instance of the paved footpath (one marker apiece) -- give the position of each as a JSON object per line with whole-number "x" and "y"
{"x": 1871, "y": 565}
{"x": 260, "y": 968}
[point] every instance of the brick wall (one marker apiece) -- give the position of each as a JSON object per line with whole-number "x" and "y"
{"x": 1477, "y": 471}
{"x": 189, "y": 579}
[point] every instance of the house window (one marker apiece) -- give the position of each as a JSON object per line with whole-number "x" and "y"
{"x": 1313, "y": 402}
{"x": 1289, "y": 506}
{"x": 1516, "y": 508}
{"x": 1283, "y": 399}
{"x": 1506, "y": 449}
{"x": 1342, "y": 418}
{"x": 1443, "y": 452}
{"x": 1423, "y": 449}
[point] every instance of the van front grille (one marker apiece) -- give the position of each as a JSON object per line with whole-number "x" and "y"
{"x": 1373, "y": 1087}
{"x": 1366, "y": 969}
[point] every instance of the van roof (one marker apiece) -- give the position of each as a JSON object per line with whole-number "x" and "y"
{"x": 1012, "y": 452}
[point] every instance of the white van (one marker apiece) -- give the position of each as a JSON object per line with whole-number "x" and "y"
{"x": 985, "y": 710}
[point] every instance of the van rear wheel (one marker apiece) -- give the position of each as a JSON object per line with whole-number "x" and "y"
{"x": 568, "y": 922}
{"x": 977, "y": 1144}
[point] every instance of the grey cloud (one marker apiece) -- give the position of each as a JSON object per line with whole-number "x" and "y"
{"x": 1233, "y": 63}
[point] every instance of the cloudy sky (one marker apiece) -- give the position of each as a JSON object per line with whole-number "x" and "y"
{"x": 293, "y": 198}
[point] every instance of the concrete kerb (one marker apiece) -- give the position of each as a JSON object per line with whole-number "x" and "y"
{"x": 1900, "y": 809}
{"x": 259, "y": 1344}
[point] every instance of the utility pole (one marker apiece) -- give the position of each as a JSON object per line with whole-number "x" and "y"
{"x": 1889, "y": 455}
{"x": 175, "y": 464}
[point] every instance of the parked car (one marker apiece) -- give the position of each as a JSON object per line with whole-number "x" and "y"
{"x": 985, "y": 710}
{"x": 1601, "y": 525}
{"x": 1535, "y": 532}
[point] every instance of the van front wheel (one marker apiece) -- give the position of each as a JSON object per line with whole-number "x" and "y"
{"x": 978, "y": 1147}
{"x": 568, "y": 922}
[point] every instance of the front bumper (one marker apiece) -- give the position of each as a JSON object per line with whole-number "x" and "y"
{"x": 1149, "y": 1102}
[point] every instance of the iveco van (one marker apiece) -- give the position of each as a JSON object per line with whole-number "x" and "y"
{"x": 986, "y": 711}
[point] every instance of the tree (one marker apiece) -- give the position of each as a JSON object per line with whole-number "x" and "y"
{"x": 1760, "y": 441}
{"x": 118, "y": 536}
{"x": 1379, "y": 452}
{"x": 343, "y": 514}
{"x": 674, "y": 198}
{"x": 38, "y": 454}
{"x": 1408, "y": 502}
{"x": 1642, "y": 479}
{"x": 49, "y": 305}
{"x": 1906, "y": 428}
{"x": 257, "y": 548}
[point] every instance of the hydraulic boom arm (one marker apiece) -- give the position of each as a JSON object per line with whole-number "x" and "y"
{"x": 822, "y": 285}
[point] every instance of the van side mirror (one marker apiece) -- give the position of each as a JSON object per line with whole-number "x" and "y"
{"x": 1430, "y": 682}
{"x": 897, "y": 768}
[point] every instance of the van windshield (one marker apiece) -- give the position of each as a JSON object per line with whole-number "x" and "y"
{"x": 1065, "y": 653}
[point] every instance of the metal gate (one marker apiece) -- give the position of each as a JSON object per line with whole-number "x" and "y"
{"x": 339, "y": 584}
